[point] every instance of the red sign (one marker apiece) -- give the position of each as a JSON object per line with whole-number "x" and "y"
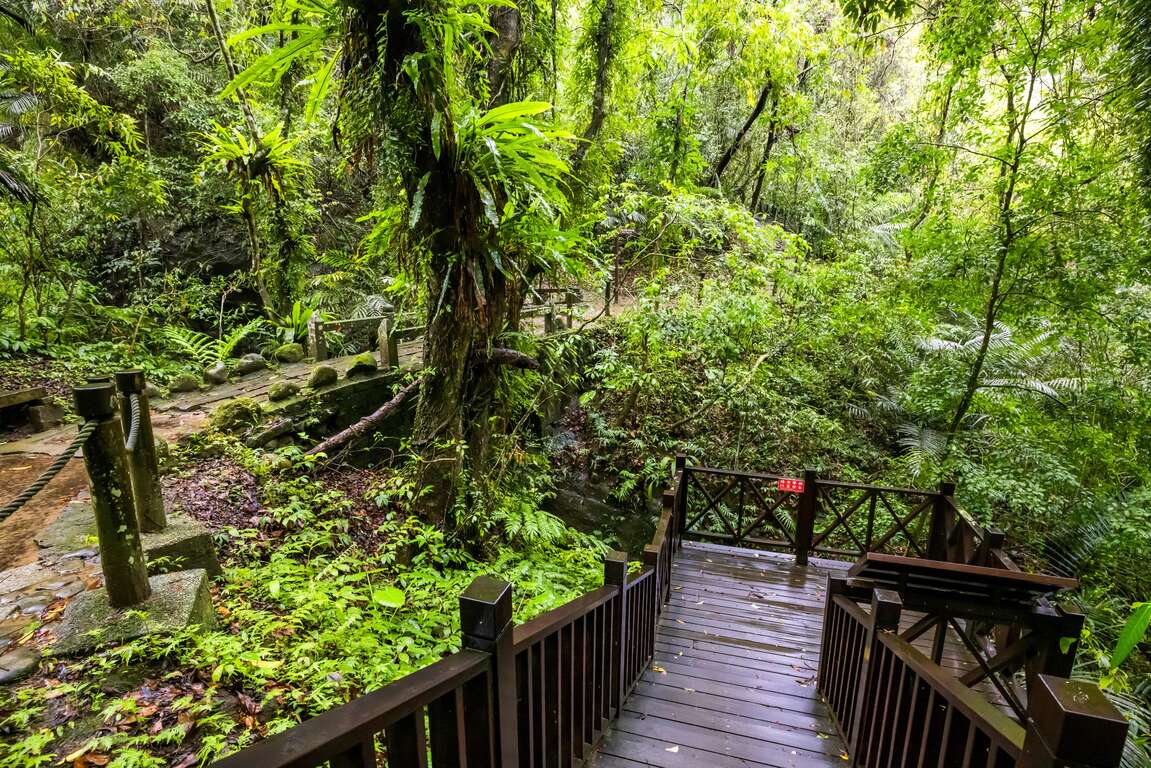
{"x": 790, "y": 485}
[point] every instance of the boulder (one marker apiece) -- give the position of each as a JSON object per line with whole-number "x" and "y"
{"x": 290, "y": 353}
{"x": 323, "y": 376}
{"x": 153, "y": 392}
{"x": 363, "y": 364}
{"x": 18, "y": 664}
{"x": 216, "y": 373}
{"x": 282, "y": 390}
{"x": 186, "y": 382}
{"x": 250, "y": 363}
{"x": 236, "y": 416}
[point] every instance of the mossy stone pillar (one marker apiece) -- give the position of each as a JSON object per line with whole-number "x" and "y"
{"x": 142, "y": 462}
{"x": 121, "y": 556}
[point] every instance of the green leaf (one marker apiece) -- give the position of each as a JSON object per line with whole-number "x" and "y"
{"x": 389, "y": 597}
{"x": 418, "y": 202}
{"x": 1133, "y": 632}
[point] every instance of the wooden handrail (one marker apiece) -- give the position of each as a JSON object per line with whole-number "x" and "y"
{"x": 334, "y": 732}
{"x": 534, "y": 630}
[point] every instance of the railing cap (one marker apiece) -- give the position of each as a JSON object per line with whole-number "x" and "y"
{"x": 486, "y": 607}
{"x": 1076, "y": 721}
{"x": 94, "y": 401}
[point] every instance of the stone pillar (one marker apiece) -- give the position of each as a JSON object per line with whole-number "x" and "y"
{"x": 142, "y": 461}
{"x": 121, "y": 556}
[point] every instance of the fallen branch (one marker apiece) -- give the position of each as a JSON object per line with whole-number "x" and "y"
{"x": 368, "y": 423}
{"x": 502, "y": 356}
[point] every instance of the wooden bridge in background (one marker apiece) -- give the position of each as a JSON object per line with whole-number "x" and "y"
{"x": 736, "y": 645}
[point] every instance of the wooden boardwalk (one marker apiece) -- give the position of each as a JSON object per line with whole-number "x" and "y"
{"x": 732, "y": 682}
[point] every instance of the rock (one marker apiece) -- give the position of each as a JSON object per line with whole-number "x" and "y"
{"x": 290, "y": 353}
{"x": 250, "y": 363}
{"x": 236, "y": 416}
{"x": 282, "y": 390}
{"x": 186, "y": 382}
{"x": 363, "y": 364}
{"x": 45, "y": 416}
{"x": 323, "y": 376}
{"x": 69, "y": 590}
{"x": 216, "y": 373}
{"x": 153, "y": 392}
{"x": 34, "y": 605}
{"x": 18, "y": 664}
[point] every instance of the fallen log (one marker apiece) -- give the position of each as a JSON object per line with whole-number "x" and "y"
{"x": 368, "y": 423}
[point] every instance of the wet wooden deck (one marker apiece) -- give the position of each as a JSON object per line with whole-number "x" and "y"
{"x": 733, "y": 679}
{"x": 732, "y": 683}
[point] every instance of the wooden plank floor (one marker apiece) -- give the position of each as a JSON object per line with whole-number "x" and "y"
{"x": 733, "y": 678}
{"x": 732, "y": 683}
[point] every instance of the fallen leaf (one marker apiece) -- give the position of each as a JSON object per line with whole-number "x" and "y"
{"x": 657, "y": 668}
{"x": 672, "y": 749}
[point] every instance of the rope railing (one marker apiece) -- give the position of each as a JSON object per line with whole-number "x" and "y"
{"x": 134, "y": 429}
{"x": 53, "y": 469}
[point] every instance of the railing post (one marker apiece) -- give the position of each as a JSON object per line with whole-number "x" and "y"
{"x": 941, "y": 522}
{"x": 486, "y": 624}
{"x": 316, "y": 343}
{"x": 805, "y": 520}
{"x": 668, "y": 507}
{"x": 569, "y": 303}
{"x": 549, "y": 319}
{"x": 1071, "y": 723}
{"x": 121, "y": 555}
{"x": 389, "y": 346}
{"x": 615, "y": 574}
{"x": 681, "y": 496}
{"x": 886, "y": 609}
{"x": 651, "y": 557}
{"x": 142, "y": 462}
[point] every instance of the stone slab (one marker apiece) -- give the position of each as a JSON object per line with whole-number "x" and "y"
{"x": 185, "y": 543}
{"x": 178, "y": 600}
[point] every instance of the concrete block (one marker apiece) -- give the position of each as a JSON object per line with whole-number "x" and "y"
{"x": 184, "y": 544}
{"x": 45, "y": 416}
{"x": 178, "y": 600}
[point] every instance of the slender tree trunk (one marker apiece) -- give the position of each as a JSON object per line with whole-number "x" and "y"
{"x": 677, "y": 140}
{"x": 1017, "y": 119}
{"x": 603, "y": 59}
{"x": 725, "y": 159}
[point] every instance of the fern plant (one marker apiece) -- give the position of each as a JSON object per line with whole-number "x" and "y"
{"x": 205, "y": 350}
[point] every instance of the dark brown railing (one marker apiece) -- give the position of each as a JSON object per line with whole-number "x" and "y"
{"x": 810, "y": 515}
{"x": 896, "y": 707}
{"x": 534, "y": 695}
{"x": 541, "y": 694}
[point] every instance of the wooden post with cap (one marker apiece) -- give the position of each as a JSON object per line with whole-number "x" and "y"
{"x": 805, "y": 519}
{"x": 486, "y": 624}
{"x": 615, "y": 574}
{"x": 121, "y": 554}
{"x": 1071, "y": 723}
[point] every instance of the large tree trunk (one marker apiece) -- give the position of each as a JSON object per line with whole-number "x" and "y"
{"x": 470, "y": 303}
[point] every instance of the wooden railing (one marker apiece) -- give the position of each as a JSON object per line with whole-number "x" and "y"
{"x": 555, "y": 305}
{"x": 535, "y": 695}
{"x": 896, "y": 707}
{"x": 811, "y": 515}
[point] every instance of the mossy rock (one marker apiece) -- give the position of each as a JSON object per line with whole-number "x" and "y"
{"x": 323, "y": 376}
{"x": 236, "y": 416}
{"x": 363, "y": 364}
{"x": 185, "y": 382}
{"x": 290, "y": 353}
{"x": 282, "y": 390}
